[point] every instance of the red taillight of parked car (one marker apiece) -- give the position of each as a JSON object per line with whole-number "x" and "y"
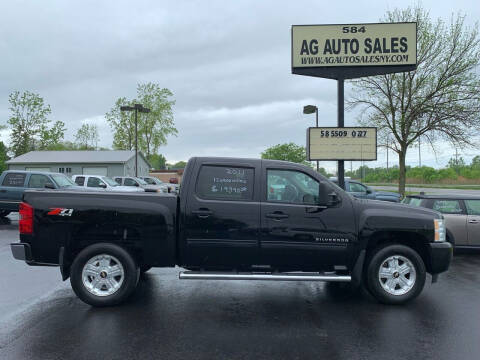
{"x": 25, "y": 222}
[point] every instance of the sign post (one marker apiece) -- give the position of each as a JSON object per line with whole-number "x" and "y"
{"x": 350, "y": 51}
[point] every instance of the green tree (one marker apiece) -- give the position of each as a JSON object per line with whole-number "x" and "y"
{"x": 439, "y": 100}
{"x": 178, "y": 165}
{"x": 287, "y": 152}
{"x": 157, "y": 161}
{"x": 153, "y": 128}
{"x": 456, "y": 164}
{"x": 123, "y": 125}
{"x": 29, "y": 123}
{"x": 87, "y": 137}
{"x": 3, "y": 156}
{"x": 157, "y": 125}
{"x": 51, "y": 137}
{"x": 475, "y": 164}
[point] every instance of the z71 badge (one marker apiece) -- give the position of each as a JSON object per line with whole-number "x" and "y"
{"x": 60, "y": 212}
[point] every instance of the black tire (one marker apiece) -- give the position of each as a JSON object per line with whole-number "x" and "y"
{"x": 131, "y": 273}
{"x": 4, "y": 213}
{"x": 378, "y": 259}
{"x": 144, "y": 268}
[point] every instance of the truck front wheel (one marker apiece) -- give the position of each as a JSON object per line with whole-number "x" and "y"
{"x": 395, "y": 274}
{"x": 104, "y": 275}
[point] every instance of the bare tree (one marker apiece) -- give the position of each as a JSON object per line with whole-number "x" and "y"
{"x": 440, "y": 100}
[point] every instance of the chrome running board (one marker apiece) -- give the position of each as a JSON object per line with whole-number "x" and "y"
{"x": 199, "y": 275}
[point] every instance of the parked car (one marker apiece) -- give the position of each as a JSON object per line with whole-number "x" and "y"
{"x": 14, "y": 182}
{"x": 152, "y": 180}
{"x": 363, "y": 191}
{"x": 225, "y": 226}
{"x": 102, "y": 182}
{"x": 139, "y": 183}
{"x": 461, "y": 213}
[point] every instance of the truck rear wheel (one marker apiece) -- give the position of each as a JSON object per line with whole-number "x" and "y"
{"x": 395, "y": 274}
{"x": 104, "y": 275}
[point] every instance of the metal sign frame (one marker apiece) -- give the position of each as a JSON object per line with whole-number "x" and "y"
{"x": 352, "y": 72}
{"x": 340, "y": 73}
{"x": 337, "y": 127}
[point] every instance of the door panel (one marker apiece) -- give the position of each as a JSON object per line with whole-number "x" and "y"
{"x": 222, "y": 218}
{"x": 457, "y": 225}
{"x": 473, "y": 222}
{"x": 296, "y": 234}
{"x": 455, "y": 218}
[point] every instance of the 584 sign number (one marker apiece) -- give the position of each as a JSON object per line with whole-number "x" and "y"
{"x": 353, "y": 29}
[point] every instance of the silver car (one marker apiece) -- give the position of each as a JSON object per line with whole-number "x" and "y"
{"x": 152, "y": 180}
{"x": 461, "y": 213}
{"x": 139, "y": 183}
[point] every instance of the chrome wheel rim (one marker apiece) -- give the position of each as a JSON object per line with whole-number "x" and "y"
{"x": 103, "y": 275}
{"x": 397, "y": 275}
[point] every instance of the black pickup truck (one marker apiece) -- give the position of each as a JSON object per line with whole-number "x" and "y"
{"x": 233, "y": 219}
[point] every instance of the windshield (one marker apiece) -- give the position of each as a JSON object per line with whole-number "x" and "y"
{"x": 153, "y": 181}
{"x": 140, "y": 181}
{"x": 109, "y": 181}
{"x": 63, "y": 181}
{"x": 415, "y": 202}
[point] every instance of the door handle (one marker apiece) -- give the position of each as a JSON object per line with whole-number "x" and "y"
{"x": 473, "y": 221}
{"x": 202, "y": 213}
{"x": 276, "y": 215}
{"x": 3, "y": 191}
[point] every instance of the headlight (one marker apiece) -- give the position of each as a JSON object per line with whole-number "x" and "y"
{"x": 440, "y": 231}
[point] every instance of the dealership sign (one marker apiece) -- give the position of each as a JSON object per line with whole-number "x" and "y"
{"x": 342, "y": 143}
{"x": 368, "y": 49}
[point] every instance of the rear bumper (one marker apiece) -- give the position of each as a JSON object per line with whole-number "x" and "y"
{"x": 21, "y": 251}
{"x": 440, "y": 256}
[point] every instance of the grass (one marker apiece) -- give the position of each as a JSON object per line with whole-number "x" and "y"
{"x": 431, "y": 186}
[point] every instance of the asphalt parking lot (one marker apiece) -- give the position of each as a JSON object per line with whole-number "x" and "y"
{"x": 40, "y": 318}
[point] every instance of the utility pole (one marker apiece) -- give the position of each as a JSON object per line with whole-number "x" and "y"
{"x": 388, "y": 142}
{"x": 341, "y": 124}
{"x": 419, "y": 153}
{"x": 137, "y": 108}
{"x": 316, "y": 125}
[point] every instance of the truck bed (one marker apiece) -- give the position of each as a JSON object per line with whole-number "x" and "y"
{"x": 143, "y": 222}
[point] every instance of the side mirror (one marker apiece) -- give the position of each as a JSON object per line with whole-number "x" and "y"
{"x": 49, "y": 185}
{"x": 137, "y": 185}
{"x": 369, "y": 191}
{"x": 104, "y": 186}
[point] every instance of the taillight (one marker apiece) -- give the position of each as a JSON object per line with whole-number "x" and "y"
{"x": 25, "y": 222}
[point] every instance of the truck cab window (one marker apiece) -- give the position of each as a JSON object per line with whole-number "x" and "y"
{"x": 358, "y": 188}
{"x": 38, "y": 181}
{"x": 14, "y": 179}
{"x": 290, "y": 186}
{"x": 94, "y": 182}
{"x": 80, "y": 180}
{"x": 225, "y": 183}
{"x": 130, "y": 182}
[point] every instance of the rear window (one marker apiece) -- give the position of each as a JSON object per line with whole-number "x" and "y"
{"x": 447, "y": 206}
{"x": 14, "y": 179}
{"x": 225, "y": 183}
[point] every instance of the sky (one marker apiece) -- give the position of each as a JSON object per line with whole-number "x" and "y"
{"x": 226, "y": 62}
